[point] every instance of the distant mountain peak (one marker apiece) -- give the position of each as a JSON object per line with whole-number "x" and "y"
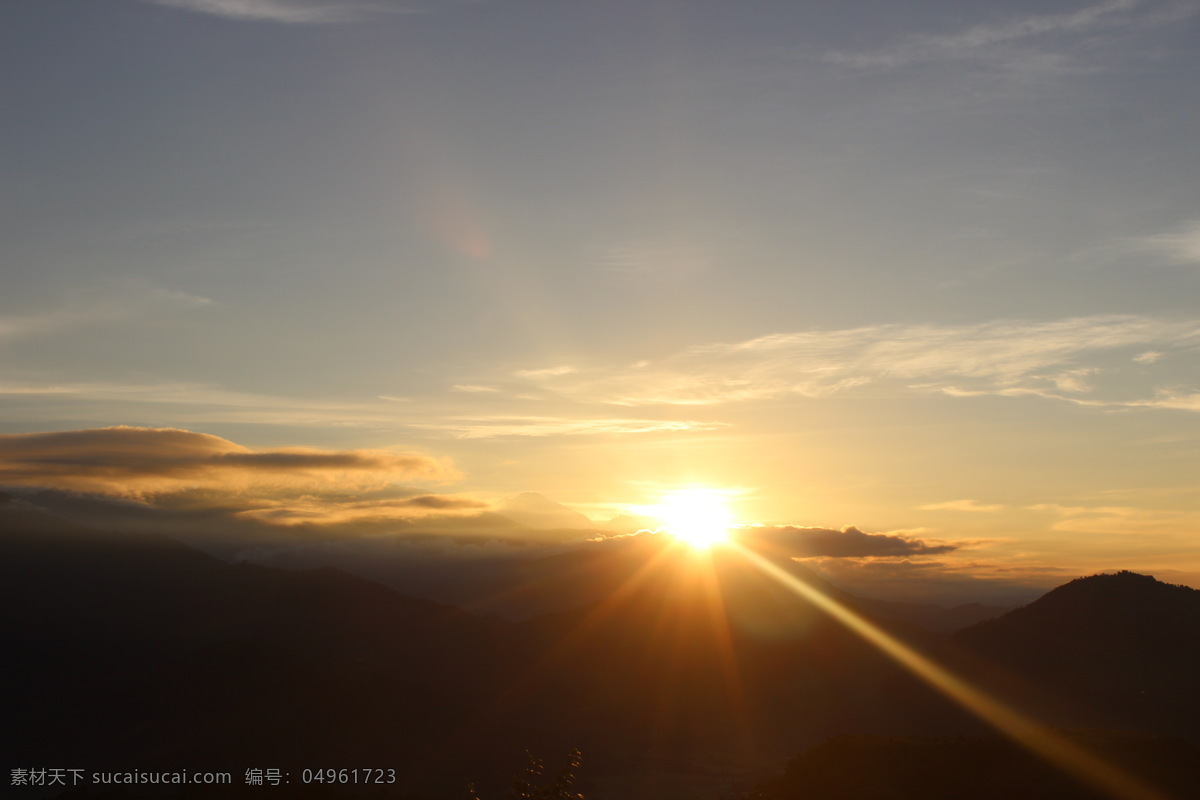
{"x": 1102, "y": 618}
{"x": 1123, "y": 578}
{"x": 1123, "y": 587}
{"x": 539, "y": 512}
{"x": 1105, "y": 599}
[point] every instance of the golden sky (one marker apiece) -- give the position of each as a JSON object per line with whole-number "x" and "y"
{"x": 328, "y": 271}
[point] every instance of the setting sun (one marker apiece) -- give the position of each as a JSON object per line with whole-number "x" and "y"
{"x": 698, "y": 517}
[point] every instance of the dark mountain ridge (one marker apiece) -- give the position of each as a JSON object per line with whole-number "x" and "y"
{"x": 1122, "y": 647}
{"x": 137, "y": 651}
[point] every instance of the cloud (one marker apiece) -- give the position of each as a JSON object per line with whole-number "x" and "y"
{"x": 981, "y": 41}
{"x": 225, "y": 497}
{"x": 1179, "y": 246}
{"x": 505, "y": 426}
{"x": 296, "y": 12}
{"x": 188, "y": 403}
{"x": 228, "y": 521}
{"x": 131, "y": 299}
{"x": 849, "y": 542}
{"x": 549, "y": 372}
{"x": 1011, "y": 357}
{"x": 192, "y": 403}
{"x": 1145, "y": 533}
{"x": 327, "y": 511}
{"x": 1177, "y": 401}
{"x": 308, "y": 12}
{"x": 962, "y": 505}
{"x": 138, "y": 462}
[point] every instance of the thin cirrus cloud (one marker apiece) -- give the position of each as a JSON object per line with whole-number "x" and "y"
{"x": 548, "y": 372}
{"x": 190, "y": 403}
{"x": 131, "y": 300}
{"x": 186, "y": 403}
{"x": 1179, "y": 246}
{"x": 979, "y": 41}
{"x": 963, "y": 505}
{"x": 301, "y": 12}
{"x": 519, "y": 426}
{"x": 142, "y": 462}
{"x": 1152, "y": 530}
{"x": 1006, "y": 357}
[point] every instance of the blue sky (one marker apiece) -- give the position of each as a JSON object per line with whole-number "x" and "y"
{"x": 914, "y": 267}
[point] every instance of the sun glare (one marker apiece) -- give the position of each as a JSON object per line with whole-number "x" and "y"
{"x": 698, "y": 517}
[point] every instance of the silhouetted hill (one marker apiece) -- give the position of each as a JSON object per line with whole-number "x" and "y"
{"x": 685, "y": 679}
{"x": 130, "y": 651}
{"x": 961, "y": 768}
{"x": 1125, "y": 646}
{"x": 133, "y": 651}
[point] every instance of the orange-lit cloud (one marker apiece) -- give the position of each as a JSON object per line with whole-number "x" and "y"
{"x": 136, "y": 462}
{"x": 963, "y": 505}
{"x": 325, "y": 511}
{"x": 1172, "y": 531}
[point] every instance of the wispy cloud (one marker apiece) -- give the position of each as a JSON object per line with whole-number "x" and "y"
{"x": 980, "y": 41}
{"x": 178, "y": 401}
{"x": 1141, "y": 532}
{"x": 296, "y": 12}
{"x": 505, "y": 426}
{"x": 472, "y": 388}
{"x": 1178, "y": 401}
{"x": 548, "y": 372}
{"x": 1007, "y": 357}
{"x": 326, "y": 511}
{"x": 963, "y": 505}
{"x": 190, "y": 404}
{"x": 307, "y": 12}
{"x": 111, "y": 305}
{"x": 1180, "y": 245}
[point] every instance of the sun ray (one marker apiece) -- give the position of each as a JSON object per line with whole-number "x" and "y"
{"x": 1023, "y": 730}
{"x": 550, "y": 661}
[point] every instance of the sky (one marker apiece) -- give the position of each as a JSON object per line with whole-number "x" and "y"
{"x": 330, "y": 275}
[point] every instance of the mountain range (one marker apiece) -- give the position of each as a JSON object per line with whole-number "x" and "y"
{"x": 129, "y": 651}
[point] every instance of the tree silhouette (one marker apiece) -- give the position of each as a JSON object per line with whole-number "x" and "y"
{"x": 525, "y": 784}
